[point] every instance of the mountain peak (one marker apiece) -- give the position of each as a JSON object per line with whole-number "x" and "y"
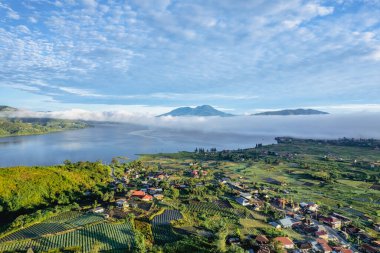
{"x": 288, "y": 112}
{"x": 202, "y": 110}
{"x": 5, "y": 108}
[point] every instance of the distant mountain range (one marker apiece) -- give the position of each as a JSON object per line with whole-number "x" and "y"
{"x": 203, "y": 110}
{"x": 4, "y": 108}
{"x": 293, "y": 112}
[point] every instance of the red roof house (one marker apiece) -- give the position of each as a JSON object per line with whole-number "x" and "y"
{"x": 138, "y": 194}
{"x": 147, "y": 198}
{"x": 286, "y": 242}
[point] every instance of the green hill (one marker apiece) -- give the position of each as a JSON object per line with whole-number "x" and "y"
{"x": 24, "y": 188}
{"x": 29, "y": 126}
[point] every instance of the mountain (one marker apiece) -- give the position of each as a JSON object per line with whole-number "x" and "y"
{"x": 203, "y": 110}
{"x": 293, "y": 112}
{"x": 4, "y": 108}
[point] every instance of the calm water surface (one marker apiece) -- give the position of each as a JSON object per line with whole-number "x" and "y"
{"x": 106, "y": 140}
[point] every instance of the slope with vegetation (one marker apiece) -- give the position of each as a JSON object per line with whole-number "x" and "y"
{"x": 30, "y": 126}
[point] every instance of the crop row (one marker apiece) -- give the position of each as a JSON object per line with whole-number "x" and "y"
{"x": 105, "y": 236}
{"x": 161, "y": 228}
{"x": 51, "y": 227}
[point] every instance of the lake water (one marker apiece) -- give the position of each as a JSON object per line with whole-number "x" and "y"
{"x": 104, "y": 141}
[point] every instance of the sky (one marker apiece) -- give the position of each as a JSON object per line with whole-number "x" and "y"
{"x": 154, "y": 55}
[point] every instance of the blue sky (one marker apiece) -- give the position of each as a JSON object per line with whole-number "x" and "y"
{"x": 152, "y": 55}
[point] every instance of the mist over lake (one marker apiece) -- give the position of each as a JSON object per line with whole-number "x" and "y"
{"x": 103, "y": 141}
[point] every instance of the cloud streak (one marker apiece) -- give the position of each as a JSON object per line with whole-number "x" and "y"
{"x": 352, "y": 125}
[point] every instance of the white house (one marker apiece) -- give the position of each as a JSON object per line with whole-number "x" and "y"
{"x": 242, "y": 201}
{"x": 98, "y": 210}
{"x": 246, "y": 195}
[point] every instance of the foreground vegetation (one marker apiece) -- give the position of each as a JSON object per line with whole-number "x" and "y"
{"x": 31, "y": 126}
{"x": 188, "y": 201}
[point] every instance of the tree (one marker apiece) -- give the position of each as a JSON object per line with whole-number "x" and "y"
{"x": 173, "y": 192}
{"x": 221, "y": 240}
{"x": 140, "y": 245}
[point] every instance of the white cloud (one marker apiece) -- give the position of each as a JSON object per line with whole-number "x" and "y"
{"x": 375, "y": 55}
{"x": 90, "y": 3}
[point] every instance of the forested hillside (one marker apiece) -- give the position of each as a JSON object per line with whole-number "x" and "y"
{"x": 29, "y": 126}
{"x": 30, "y": 187}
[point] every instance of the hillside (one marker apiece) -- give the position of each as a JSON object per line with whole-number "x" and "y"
{"x": 24, "y": 188}
{"x": 293, "y": 112}
{"x": 203, "y": 110}
{"x": 4, "y": 108}
{"x": 30, "y": 126}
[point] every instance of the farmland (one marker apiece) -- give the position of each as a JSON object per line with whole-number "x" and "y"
{"x": 71, "y": 229}
{"x": 161, "y": 228}
{"x": 192, "y": 201}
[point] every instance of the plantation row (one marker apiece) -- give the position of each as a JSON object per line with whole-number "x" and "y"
{"x": 161, "y": 228}
{"x": 63, "y": 217}
{"x": 105, "y": 236}
{"x": 63, "y": 222}
{"x": 166, "y": 217}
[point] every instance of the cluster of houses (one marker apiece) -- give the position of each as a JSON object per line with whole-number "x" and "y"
{"x": 303, "y": 217}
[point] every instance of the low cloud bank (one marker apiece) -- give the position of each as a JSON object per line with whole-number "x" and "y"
{"x": 355, "y": 125}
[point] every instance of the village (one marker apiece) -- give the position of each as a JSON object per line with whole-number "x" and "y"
{"x": 321, "y": 231}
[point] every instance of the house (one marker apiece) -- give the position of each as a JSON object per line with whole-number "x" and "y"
{"x": 286, "y": 222}
{"x": 305, "y": 247}
{"x": 275, "y": 225}
{"x": 246, "y": 195}
{"x": 286, "y": 242}
{"x": 322, "y": 234}
{"x": 158, "y": 196}
{"x": 138, "y": 194}
{"x": 147, "y": 198}
{"x": 344, "y": 220}
{"x": 233, "y": 240}
{"x": 262, "y": 239}
{"x": 312, "y": 207}
{"x": 264, "y": 249}
{"x": 325, "y": 248}
{"x": 98, "y": 210}
{"x": 366, "y": 248}
{"x": 242, "y": 201}
{"x": 333, "y": 222}
{"x": 160, "y": 177}
{"x": 345, "y": 251}
{"x": 121, "y": 203}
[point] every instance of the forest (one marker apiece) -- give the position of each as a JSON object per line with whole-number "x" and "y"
{"x": 30, "y": 126}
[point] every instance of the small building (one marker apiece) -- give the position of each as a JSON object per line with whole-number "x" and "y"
{"x": 286, "y": 222}
{"x": 233, "y": 240}
{"x": 305, "y": 247}
{"x": 121, "y": 203}
{"x": 242, "y": 201}
{"x": 286, "y": 242}
{"x": 138, "y": 194}
{"x": 333, "y": 222}
{"x": 322, "y": 234}
{"x": 246, "y": 195}
{"x": 98, "y": 209}
{"x": 275, "y": 225}
{"x": 147, "y": 198}
{"x": 262, "y": 239}
{"x": 325, "y": 248}
{"x": 158, "y": 196}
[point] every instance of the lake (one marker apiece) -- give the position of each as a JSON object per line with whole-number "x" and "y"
{"x": 104, "y": 141}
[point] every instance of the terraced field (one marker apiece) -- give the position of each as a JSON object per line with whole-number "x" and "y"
{"x": 161, "y": 228}
{"x": 105, "y": 236}
{"x": 57, "y": 224}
